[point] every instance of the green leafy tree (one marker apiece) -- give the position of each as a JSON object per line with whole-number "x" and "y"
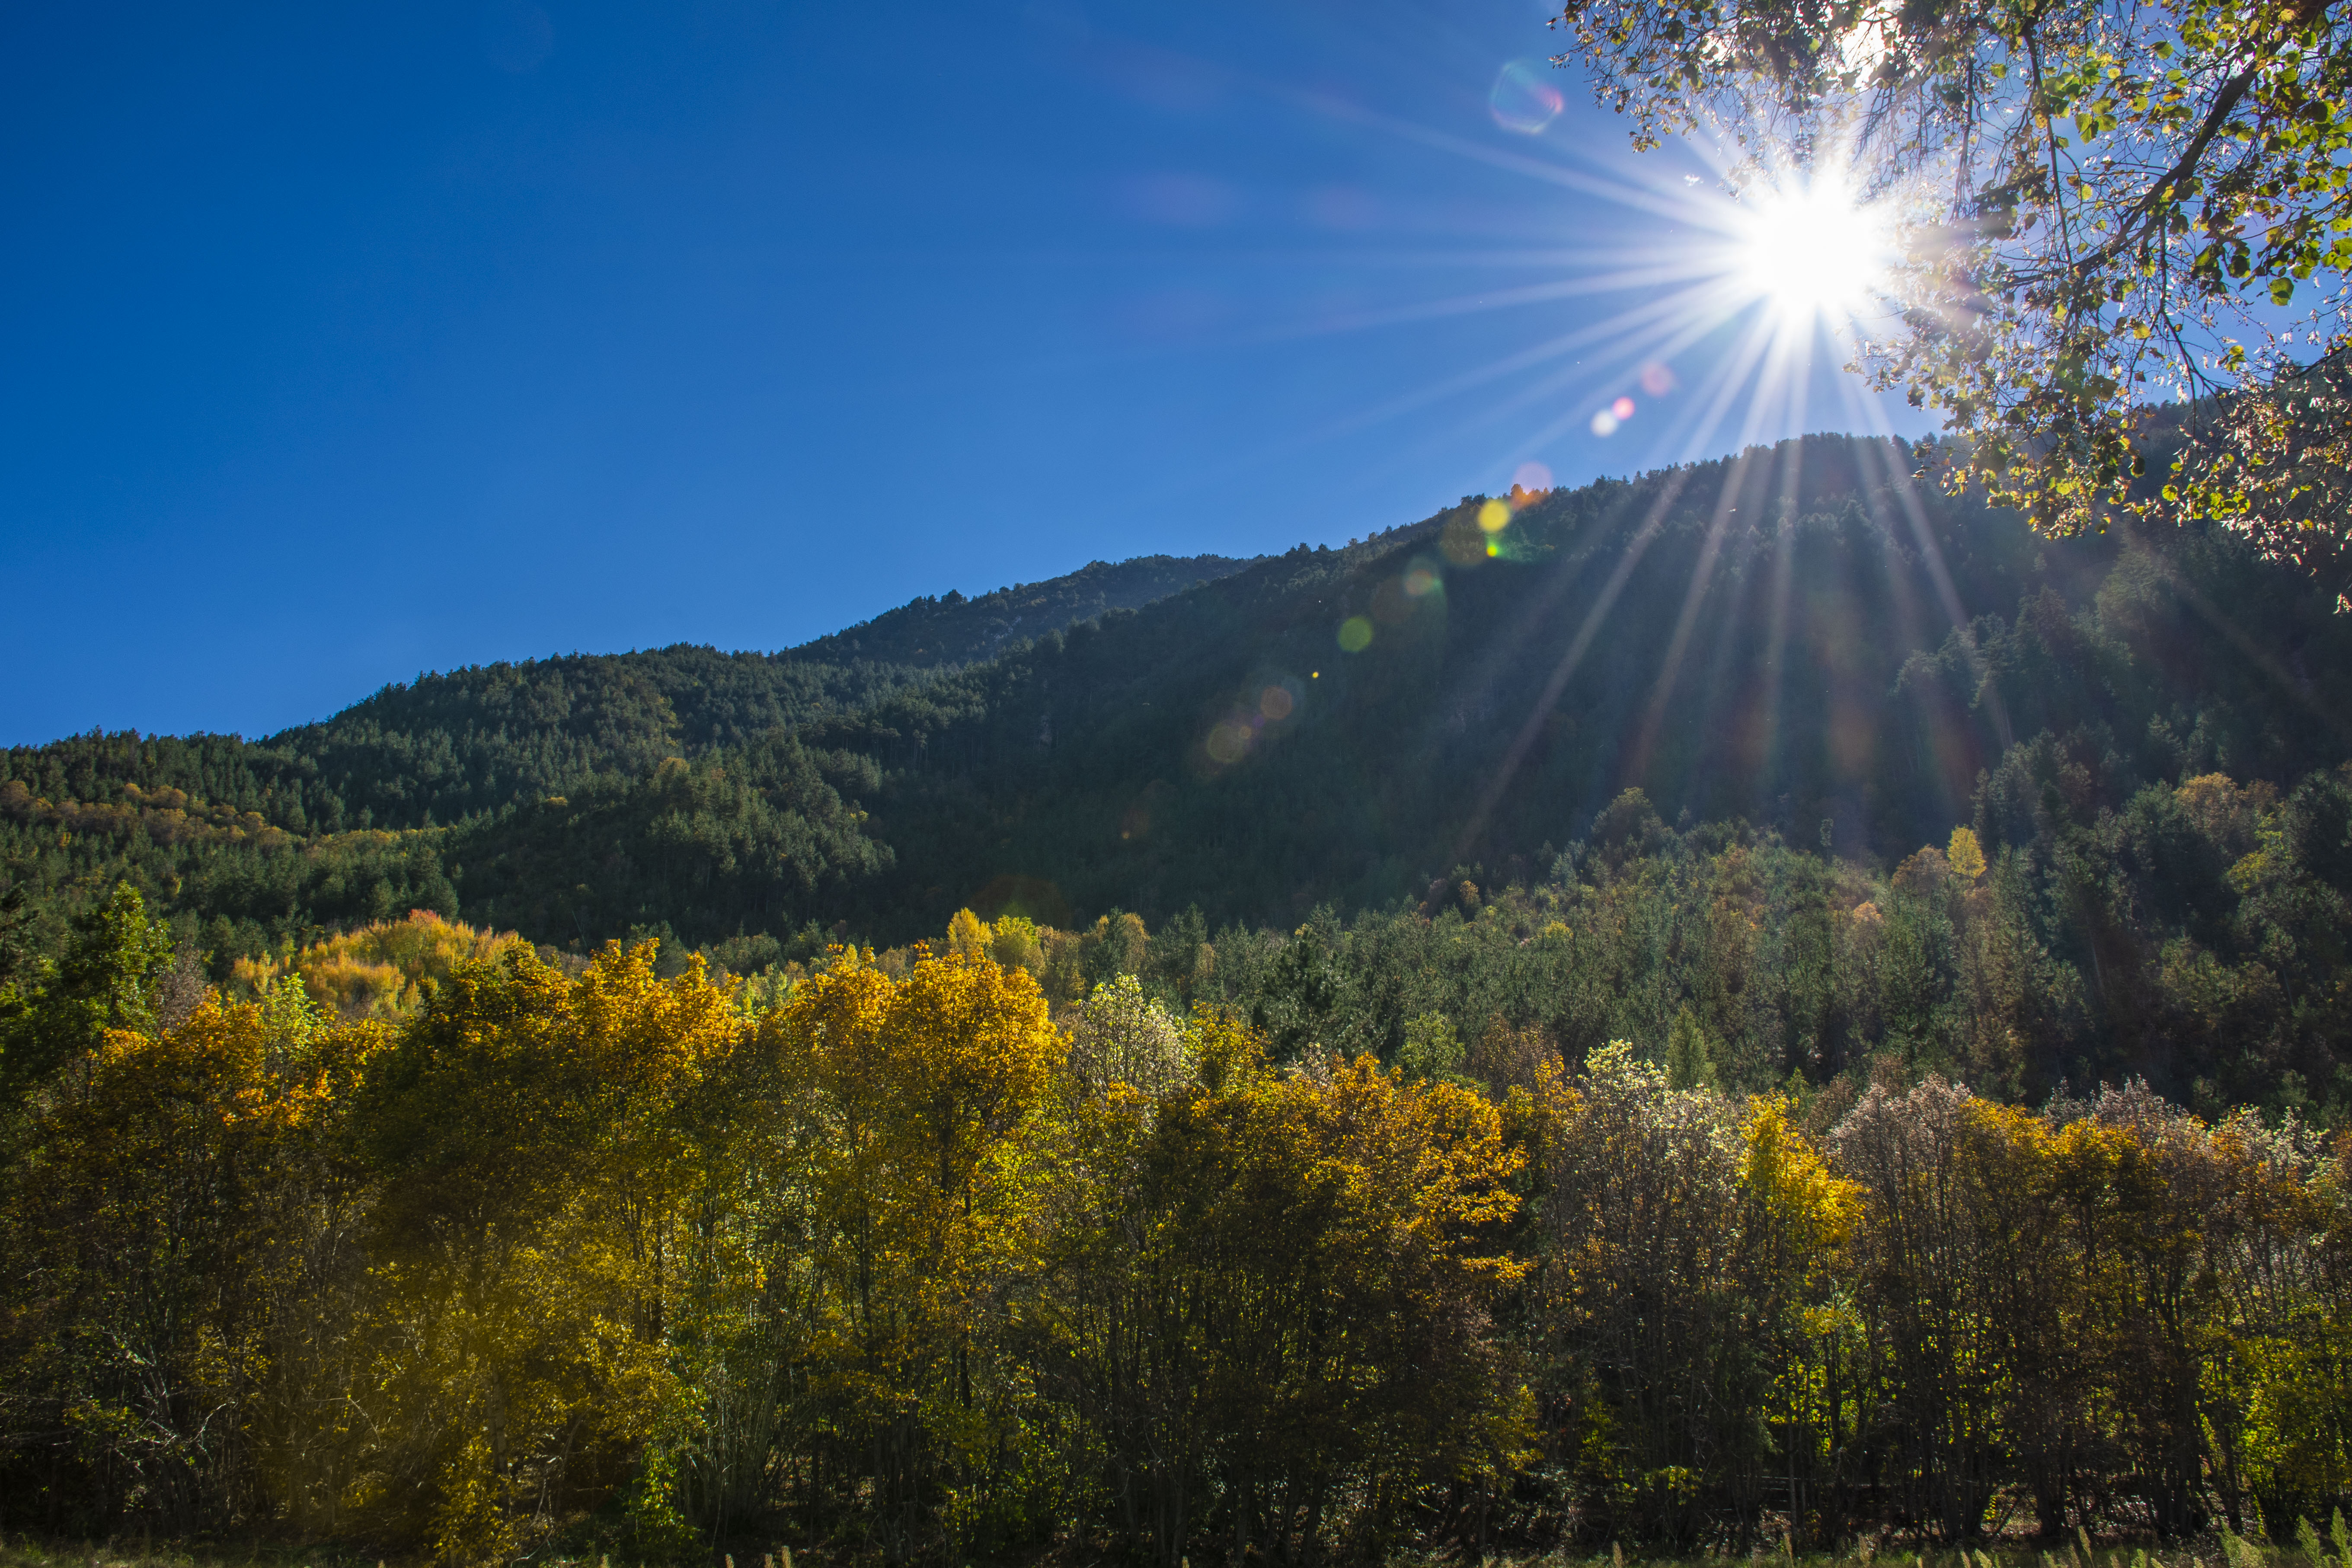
{"x": 1123, "y": 1036}
{"x": 1690, "y": 1059}
{"x": 107, "y": 980}
{"x": 2103, "y": 205}
{"x": 1432, "y": 1049}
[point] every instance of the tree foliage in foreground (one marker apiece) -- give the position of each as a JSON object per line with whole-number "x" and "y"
{"x": 2106, "y": 206}
{"x": 899, "y": 1262}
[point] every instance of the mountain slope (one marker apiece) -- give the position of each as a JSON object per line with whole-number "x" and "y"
{"x": 950, "y": 630}
{"x": 1799, "y": 638}
{"x": 482, "y": 737}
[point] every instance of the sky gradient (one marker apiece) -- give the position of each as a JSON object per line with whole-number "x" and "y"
{"x": 344, "y": 341}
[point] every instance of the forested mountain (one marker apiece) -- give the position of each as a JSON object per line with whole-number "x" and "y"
{"x": 1407, "y": 1050}
{"x": 1799, "y": 640}
{"x": 485, "y": 736}
{"x": 1798, "y": 649}
{"x": 952, "y": 629}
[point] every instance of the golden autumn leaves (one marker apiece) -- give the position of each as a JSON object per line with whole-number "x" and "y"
{"x": 555, "y": 1240}
{"x": 907, "y": 1263}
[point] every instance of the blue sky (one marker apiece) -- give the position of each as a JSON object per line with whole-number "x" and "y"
{"x": 342, "y": 342}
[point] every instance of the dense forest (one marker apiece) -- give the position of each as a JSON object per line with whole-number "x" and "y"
{"x": 425, "y": 1245}
{"x": 1798, "y": 655}
{"x": 1754, "y": 1007}
{"x": 949, "y": 629}
{"x": 476, "y": 740}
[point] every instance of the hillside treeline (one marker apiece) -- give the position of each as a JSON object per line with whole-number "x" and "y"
{"x": 2195, "y": 938}
{"x": 900, "y": 1261}
{"x": 950, "y": 630}
{"x": 469, "y": 741}
{"x": 1795, "y": 654}
{"x": 1798, "y": 639}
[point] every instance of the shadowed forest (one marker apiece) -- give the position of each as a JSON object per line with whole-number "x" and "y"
{"x": 1756, "y": 1007}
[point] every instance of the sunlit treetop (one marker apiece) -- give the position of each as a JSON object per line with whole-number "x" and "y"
{"x": 2098, "y": 209}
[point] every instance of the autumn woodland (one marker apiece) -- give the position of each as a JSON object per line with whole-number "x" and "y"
{"x": 1324, "y": 1058}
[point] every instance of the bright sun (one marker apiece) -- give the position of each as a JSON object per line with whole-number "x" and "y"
{"x": 1813, "y": 252}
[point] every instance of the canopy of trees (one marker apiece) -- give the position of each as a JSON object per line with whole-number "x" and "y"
{"x": 1453, "y": 1041}
{"x": 896, "y": 1260}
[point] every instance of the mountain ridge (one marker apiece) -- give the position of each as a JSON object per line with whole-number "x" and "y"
{"x": 458, "y": 742}
{"x": 1798, "y": 638}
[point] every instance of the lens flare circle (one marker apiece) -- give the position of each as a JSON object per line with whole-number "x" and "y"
{"x": 1812, "y": 251}
{"x": 1522, "y": 101}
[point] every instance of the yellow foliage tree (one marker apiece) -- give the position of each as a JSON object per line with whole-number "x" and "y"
{"x": 968, "y": 935}
{"x": 1284, "y": 1279}
{"x": 186, "y": 1214}
{"x": 1016, "y": 943}
{"x": 1964, "y": 854}
{"x": 380, "y": 970}
{"x": 915, "y": 1104}
{"x": 539, "y": 1143}
{"x": 1796, "y": 1221}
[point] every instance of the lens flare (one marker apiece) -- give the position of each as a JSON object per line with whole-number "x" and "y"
{"x": 1465, "y": 541}
{"x": 1813, "y": 250}
{"x": 1732, "y": 319}
{"x": 1522, "y": 100}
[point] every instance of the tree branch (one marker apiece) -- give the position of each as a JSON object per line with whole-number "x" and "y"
{"x": 2134, "y": 221}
